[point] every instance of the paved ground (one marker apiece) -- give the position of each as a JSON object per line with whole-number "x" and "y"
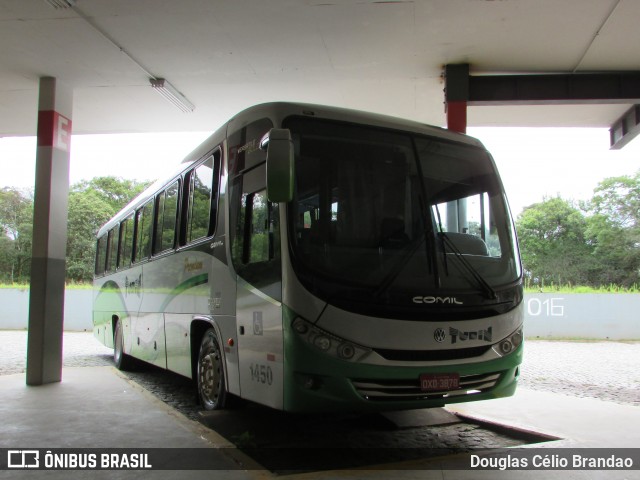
{"x": 605, "y": 370}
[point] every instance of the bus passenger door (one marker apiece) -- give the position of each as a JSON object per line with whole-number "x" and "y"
{"x": 256, "y": 258}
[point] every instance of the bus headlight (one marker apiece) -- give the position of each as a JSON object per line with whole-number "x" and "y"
{"x": 346, "y": 351}
{"x": 300, "y": 326}
{"x": 510, "y": 343}
{"x": 322, "y": 342}
{"x": 327, "y": 342}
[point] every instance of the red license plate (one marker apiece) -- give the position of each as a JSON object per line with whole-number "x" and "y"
{"x": 439, "y": 382}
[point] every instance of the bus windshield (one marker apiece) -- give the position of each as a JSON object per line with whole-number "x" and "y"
{"x": 383, "y": 218}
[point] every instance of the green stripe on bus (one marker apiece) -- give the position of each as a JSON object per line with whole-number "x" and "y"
{"x": 187, "y": 284}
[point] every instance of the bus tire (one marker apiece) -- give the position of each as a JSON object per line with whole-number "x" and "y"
{"x": 122, "y": 360}
{"x": 211, "y": 385}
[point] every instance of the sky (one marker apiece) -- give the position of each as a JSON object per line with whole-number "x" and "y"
{"x": 534, "y": 163}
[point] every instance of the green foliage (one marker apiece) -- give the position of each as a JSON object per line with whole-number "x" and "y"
{"x": 614, "y": 228}
{"x": 87, "y": 212}
{"x": 553, "y": 243}
{"x": 115, "y": 191}
{"x": 91, "y": 204}
{"x": 16, "y": 220}
{"x": 595, "y": 245}
{"x": 568, "y": 288}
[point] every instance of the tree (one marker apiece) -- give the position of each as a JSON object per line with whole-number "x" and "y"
{"x": 115, "y": 191}
{"x": 553, "y": 242}
{"x": 91, "y": 204}
{"x": 16, "y": 227}
{"x": 614, "y": 229}
{"x": 7, "y": 259}
{"x": 87, "y": 212}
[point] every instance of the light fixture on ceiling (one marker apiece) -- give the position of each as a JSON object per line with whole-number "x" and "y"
{"x": 60, "y": 4}
{"x": 168, "y": 91}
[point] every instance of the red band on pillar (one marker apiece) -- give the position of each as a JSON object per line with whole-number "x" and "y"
{"x": 457, "y": 116}
{"x": 54, "y": 130}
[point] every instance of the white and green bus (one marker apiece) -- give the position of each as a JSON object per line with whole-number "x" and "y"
{"x": 311, "y": 258}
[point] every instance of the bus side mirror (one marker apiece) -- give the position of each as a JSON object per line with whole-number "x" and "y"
{"x": 280, "y": 160}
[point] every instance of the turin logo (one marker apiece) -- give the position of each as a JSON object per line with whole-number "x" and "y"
{"x": 472, "y": 335}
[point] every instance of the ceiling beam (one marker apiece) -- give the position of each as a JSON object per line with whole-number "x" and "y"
{"x": 625, "y": 129}
{"x": 555, "y": 89}
{"x": 541, "y": 89}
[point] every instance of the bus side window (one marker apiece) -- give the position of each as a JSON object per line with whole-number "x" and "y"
{"x": 101, "y": 255}
{"x": 202, "y": 199}
{"x": 126, "y": 243}
{"x": 112, "y": 249}
{"x": 144, "y": 220}
{"x": 167, "y": 208}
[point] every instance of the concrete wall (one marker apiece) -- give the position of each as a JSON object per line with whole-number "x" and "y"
{"x": 598, "y": 316}
{"x": 14, "y": 309}
{"x": 584, "y": 315}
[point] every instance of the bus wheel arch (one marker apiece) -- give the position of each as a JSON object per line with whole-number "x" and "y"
{"x": 198, "y": 328}
{"x": 208, "y": 365}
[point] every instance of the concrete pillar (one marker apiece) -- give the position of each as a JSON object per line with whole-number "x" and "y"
{"x": 46, "y": 299}
{"x": 457, "y": 116}
{"x": 456, "y": 93}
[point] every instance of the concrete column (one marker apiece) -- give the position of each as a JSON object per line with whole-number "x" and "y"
{"x": 456, "y": 93}
{"x": 457, "y": 116}
{"x": 46, "y": 299}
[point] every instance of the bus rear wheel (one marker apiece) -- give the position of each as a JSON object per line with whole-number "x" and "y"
{"x": 121, "y": 359}
{"x": 211, "y": 387}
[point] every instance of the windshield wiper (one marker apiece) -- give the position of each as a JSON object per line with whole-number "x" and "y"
{"x": 410, "y": 249}
{"x": 428, "y": 237}
{"x": 484, "y": 285}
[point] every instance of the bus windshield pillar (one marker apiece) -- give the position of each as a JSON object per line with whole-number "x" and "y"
{"x": 46, "y": 298}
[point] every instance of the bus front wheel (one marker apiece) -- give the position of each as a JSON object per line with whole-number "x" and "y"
{"x": 121, "y": 359}
{"x": 211, "y": 388}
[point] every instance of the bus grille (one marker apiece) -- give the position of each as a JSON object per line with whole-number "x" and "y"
{"x": 402, "y": 390}
{"x": 432, "y": 355}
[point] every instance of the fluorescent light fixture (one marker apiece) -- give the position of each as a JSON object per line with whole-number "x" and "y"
{"x": 58, "y": 4}
{"x": 168, "y": 91}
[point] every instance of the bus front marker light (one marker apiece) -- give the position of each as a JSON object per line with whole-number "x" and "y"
{"x": 346, "y": 351}
{"x": 322, "y": 342}
{"x": 516, "y": 338}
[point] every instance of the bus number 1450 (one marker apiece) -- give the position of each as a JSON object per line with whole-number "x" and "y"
{"x": 261, "y": 374}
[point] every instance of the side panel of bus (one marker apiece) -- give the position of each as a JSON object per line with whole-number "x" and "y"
{"x": 117, "y": 295}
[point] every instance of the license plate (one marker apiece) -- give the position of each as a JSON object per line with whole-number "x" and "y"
{"x": 439, "y": 382}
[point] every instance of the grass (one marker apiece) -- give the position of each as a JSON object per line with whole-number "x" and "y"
{"x": 581, "y": 340}
{"x": 568, "y": 288}
{"x": 25, "y": 286}
{"x": 529, "y": 288}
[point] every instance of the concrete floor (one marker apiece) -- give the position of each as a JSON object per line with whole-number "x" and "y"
{"x": 96, "y": 407}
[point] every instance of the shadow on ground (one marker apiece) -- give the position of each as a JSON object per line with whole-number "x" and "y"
{"x": 286, "y": 443}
